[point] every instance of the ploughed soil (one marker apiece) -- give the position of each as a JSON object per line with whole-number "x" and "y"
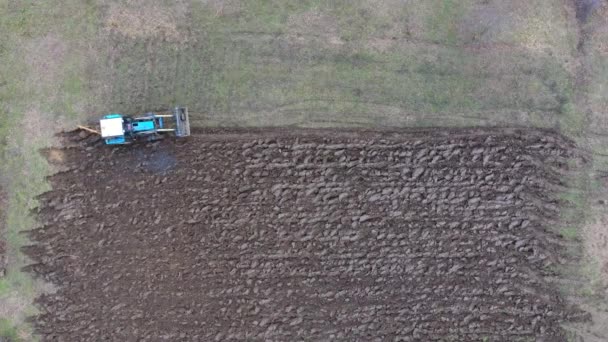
{"x": 305, "y": 235}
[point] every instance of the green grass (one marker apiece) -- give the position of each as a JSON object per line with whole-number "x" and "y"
{"x": 7, "y": 330}
{"x": 575, "y": 200}
{"x": 570, "y": 233}
{"x": 573, "y": 217}
{"x": 16, "y": 286}
{"x": 575, "y": 214}
{"x": 5, "y": 287}
{"x": 342, "y": 86}
{"x": 29, "y": 99}
{"x": 246, "y": 69}
{"x": 592, "y": 270}
{"x": 243, "y": 69}
{"x": 443, "y": 24}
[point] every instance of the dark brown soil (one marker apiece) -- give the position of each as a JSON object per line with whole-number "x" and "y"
{"x": 270, "y": 235}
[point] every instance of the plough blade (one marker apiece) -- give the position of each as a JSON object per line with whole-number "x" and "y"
{"x": 182, "y": 121}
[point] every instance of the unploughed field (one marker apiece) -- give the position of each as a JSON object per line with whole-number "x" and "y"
{"x": 311, "y": 235}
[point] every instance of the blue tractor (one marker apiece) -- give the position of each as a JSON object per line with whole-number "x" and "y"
{"x": 118, "y": 129}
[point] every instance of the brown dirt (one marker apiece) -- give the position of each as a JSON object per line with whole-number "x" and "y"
{"x": 276, "y": 235}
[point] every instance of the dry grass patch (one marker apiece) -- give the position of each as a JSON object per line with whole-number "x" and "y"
{"x": 151, "y": 21}
{"x": 313, "y": 26}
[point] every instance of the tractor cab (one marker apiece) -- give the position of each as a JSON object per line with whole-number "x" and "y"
{"x": 113, "y": 129}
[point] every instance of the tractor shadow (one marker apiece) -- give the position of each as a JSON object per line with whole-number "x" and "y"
{"x": 156, "y": 160}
